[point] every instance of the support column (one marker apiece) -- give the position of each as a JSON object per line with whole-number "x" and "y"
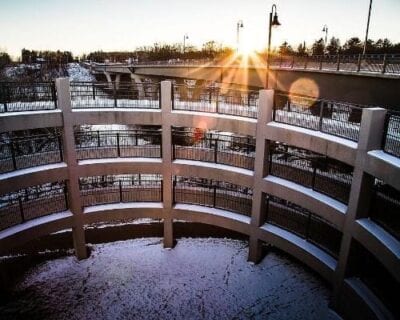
{"x": 166, "y": 108}
{"x": 109, "y": 80}
{"x": 74, "y": 200}
{"x": 265, "y": 109}
{"x": 117, "y": 80}
{"x": 370, "y": 138}
{"x": 140, "y": 86}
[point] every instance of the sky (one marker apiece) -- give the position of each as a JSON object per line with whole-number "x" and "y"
{"x": 82, "y": 26}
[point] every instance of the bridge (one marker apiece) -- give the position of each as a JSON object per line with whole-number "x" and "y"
{"x": 366, "y": 80}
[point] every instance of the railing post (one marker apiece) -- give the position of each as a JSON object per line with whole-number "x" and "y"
{"x": 338, "y": 63}
{"x": 359, "y": 63}
{"x": 98, "y": 138}
{"x": 320, "y": 62}
{"x": 118, "y": 149}
{"x": 93, "y": 91}
{"x": 115, "y": 93}
{"x": 216, "y": 150}
{"x": 217, "y": 101}
{"x": 6, "y": 96}
{"x": 306, "y": 61}
{"x": 321, "y": 115}
{"x": 120, "y": 190}
{"x": 66, "y": 197}
{"x": 214, "y": 196}
{"x": 53, "y": 93}
{"x": 384, "y": 63}
{"x": 14, "y": 161}
{"x": 21, "y": 208}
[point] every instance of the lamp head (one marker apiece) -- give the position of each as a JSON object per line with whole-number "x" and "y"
{"x": 275, "y": 22}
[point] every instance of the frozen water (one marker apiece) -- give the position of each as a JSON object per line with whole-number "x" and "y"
{"x": 198, "y": 279}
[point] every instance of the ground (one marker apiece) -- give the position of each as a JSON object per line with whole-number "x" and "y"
{"x": 198, "y": 279}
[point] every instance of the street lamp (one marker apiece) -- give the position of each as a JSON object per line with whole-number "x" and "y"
{"x": 366, "y": 32}
{"x": 325, "y": 29}
{"x": 185, "y": 37}
{"x": 239, "y": 25}
{"x": 273, "y": 22}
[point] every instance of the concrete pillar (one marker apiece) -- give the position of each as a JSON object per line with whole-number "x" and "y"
{"x": 109, "y": 79}
{"x": 117, "y": 80}
{"x": 371, "y": 131}
{"x": 74, "y": 199}
{"x": 166, "y": 108}
{"x": 265, "y": 109}
{"x": 140, "y": 85}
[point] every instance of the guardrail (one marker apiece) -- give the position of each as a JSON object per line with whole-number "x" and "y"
{"x": 312, "y": 170}
{"x": 99, "y": 190}
{"x": 32, "y": 202}
{"x": 385, "y": 208}
{"x": 115, "y": 95}
{"x": 303, "y": 223}
{"x": 30, "y": 151}
{"x": 97, "y": 144}
{"x": 391, "y": 136}
{"x": 335, "y": 118}
{"x": 215, "y": 100}
{"x": 200, "y": 145}
{"x": 214, "y": 194}
{"x": 27, "y": 96}
{"x": 368, "y": 63}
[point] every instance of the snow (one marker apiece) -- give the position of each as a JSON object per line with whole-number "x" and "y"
{"x": 198, "y": 279}
{"x": 217, "y": 166}
{"x": 385, "y": 157}
{"x": 78, "y": 73}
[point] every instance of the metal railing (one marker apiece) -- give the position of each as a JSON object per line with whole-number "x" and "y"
{"x": 371, "y": 63}
{"x": 30, "y": 151}
{"x": 32, "y": 202}
{"x": 214, "y": 194}
{"x": 391, "y": 135}
{"x": 385, "y": 208}
{"x": 115, "y": 95}
{"x": 303, "y": 223}
{"x": 312, "y": 170}
{"x": 27, "y": 96}
{"x": 335, "y": 118}
{"x": 215, "y": 100}
{"x": 200, "y": 145}
{"x": 99, "y": 190}
{"x": 118, "y": 143}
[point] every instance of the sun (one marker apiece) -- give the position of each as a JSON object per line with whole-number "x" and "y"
{"x": 246, "y": 49}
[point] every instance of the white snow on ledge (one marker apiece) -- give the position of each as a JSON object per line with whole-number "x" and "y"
{"x": 385, "y": 157}
{"x": 338, "y": 206}
{"x": 34, "y": 223}
{"x": 213, "y": 211}
{"x": 120, "y": 160}
{"x": 42, "y": 168}
{"x": 311, "y": 249}
{"x": 217, "y": 166}
{"x": 29, "y": 113}
{"x": 387, "y": 240}
{"x": 317, "y": 134}
{"x": 215, "y": 115}
{"x": 118, "y": 109}
{"x": 121, "y": 206}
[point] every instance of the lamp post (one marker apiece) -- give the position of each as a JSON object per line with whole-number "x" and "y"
{"x": 366, "y": 32}
{"x": 185, "y": 37}
{"x": 325, "y": 29}
{"x": 239, "y": 25}
{"x": 273, "y": 22}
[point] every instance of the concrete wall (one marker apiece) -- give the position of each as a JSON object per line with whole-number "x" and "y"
{"x": 350, "y": 219}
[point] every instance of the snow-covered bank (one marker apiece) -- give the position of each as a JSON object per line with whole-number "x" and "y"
{"x": 198, "y": 279}
{"x": 78, "y": 73}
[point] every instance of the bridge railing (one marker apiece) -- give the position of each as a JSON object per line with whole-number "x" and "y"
{"x": 214, "y": 194}
{"x": 303, "y": 223}
{"x": 27, "y": 96}
{"x": 115, "y": 95}
{"x": 215, "y": 100}
{"x": 99, "y": 190}
{"x": 30, "y": 151}
{"x": 99, "y": 144}
{"x": 391, "y": 139}
{"x": 32, "y": 202}
{"x": 200, "y": 145}
{"x": 335, "y": 118}
{"x": 312, "y": 170}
